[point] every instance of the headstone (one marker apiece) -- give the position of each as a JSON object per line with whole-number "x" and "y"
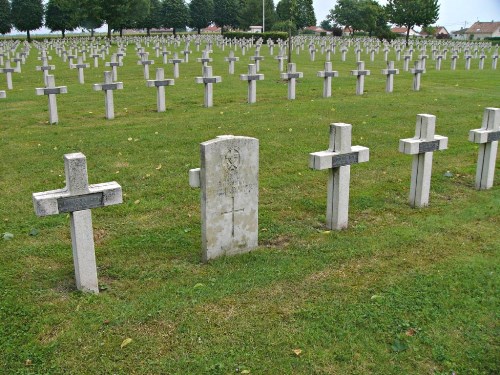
{"x": 487, "y": 137}
{"x": 467, "y": 61}
{"x": 257, "y": 58}
{"x": 229, "y": 184}
{"x": 77, "y": 199}
{"x": 45, "y": 69}
{"x": 454, "y": 58}
{"x": 51, "y": 91}
{"x": 390, "y": 72}
{"x": 208, "y": 80}
{"x": 231, "y": 60}
{"x": 360, "y": 74}
{"x": 327, "y": 74}
{"x": 422, "y": 147}
{"x": 160, "y": 82}
{"x": 252, "y": 77}
{"x": 406, "y": 62}
{"x": 338, "y": 160}
{"x": 108, "y": 87}
{"x": 494, "y": 62}
{"x": 145, "y": 64}
{"x": 417, "y": 73}
{"x": 291, "y": 76}
{"x": 114, "y": 64}
{"x": 176, "y": 61}
{"x": 280, "y": 59}
{"x": 7, "y": 70}
{"x": 481, "y": 61}
{"x": 3, "y": 95}
{"x": 439, "y": 58}
{"x": 80, "y": 66}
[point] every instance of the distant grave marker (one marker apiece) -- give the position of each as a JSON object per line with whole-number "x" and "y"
{"x": 51, "y": 91}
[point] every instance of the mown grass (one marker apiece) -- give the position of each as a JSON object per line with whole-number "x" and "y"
{"x": 400, "y": 291}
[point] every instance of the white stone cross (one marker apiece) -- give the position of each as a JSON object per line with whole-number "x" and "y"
{"x": 114, "y": 64}
{"x": 176, "y": 61}
{"x": 51, "y": 91}
{"x": 77, "y": 199}
{"x": 280, "y": 59}
{"x": 18, "y": 60}
{"x": 145, "y": 63}
{"x": 454, "y": 58}
{"x": 481, "y": 61}
{"x": 229, "y": 182}
{"x": 487, "y": 137}
{"x": 231, "y": 59}
{"x": 417, "y": 73}
{"x": 108, "y": 87}
{"x": 160, "y": 82}
{"x": 165, "y": 54}
{"x": 291, "y": 76}
{"x": 390, "y": 72}
{"x": 205, "y": 58}
{"x": 422, "y": 147}
{"x": 7, "y": 70}
{"x": 208, "y": 80}
{"x": 467, "y": 61}
{"x": 327, "y": 74}
{"x": 96, "y": 57}
{"x": 186, "y": 53}
{"x": 343, "y": 52}
{"x": 494, "y": 61}
{"x": 3, "y": 95}
{"x": 338, "y": 160}
{"x": 252, "y": 77}
{"x": 257, "y": 58}
{"x": 439, "y": 58}
{"x": 406, "y": 62}
{"x": 360, "y": 74}
{"x": 45, "y": 69}
{"x": 80, "y": 66}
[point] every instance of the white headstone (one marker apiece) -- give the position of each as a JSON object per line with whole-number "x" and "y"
{"x": 51, "y": 91}
{"x": 390, "y": 72}
{"x": 108, "y": 87}
{"x": 229, "y": 182}
{"x": 422, "y": 147}
{"x": 327, "y": 75}
{"x": 291, "y": 76}
{"x": 160, "y": 82}
{"x": 77, "y": 198}
{"x": 208, "y": 80}
{"x": 487, "y": 137}
{"x": 360, "y": 74}
{"x": 252, "y": 77}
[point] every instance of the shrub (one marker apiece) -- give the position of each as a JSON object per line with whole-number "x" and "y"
{"x": 265, "y": 36}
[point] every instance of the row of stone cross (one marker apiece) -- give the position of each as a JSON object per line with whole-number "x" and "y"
{"x": 228, "y": 178}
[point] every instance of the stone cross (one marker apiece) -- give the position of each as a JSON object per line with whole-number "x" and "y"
{"x": 51, "y": 91}
{"x": 481, "y": 61}
{"x": 423, "y": 60}
{"x": 467, "y": 61}
{"x": 18, "y": 61}
{"x": 95, "y": 56}
{"x": 145, "y": 64}
{"x": 186, "y": 53}
{"x": 231, "y": 59}
{"x": 204, "y": 59}
{"x": 45, "y": 69}
{"x": 390, "y": 72}
{"x": 229, "y": 182}
{"x": 80, "y": 66}
{"x": 165, "y": 54}
{"x": 3, "y": 95}
{"x": 454, "y": 58}
{"x": 257, "y": 58}
{"x": 7, "y": 70}
{"x": 114, "y": 64}
{"x": 312, "y": 53}
{"x": 160, "y": 82}
{"x": 417, "y": 73}
{"x": 327, "y": 74}
{"x": 343, "y": 52}
{"x": 108, "y": 87}
{"x": 338, "y": 159}
{"x": 176, "y": 61}
{"x": 439, "y": 58}
{"x": 406, "y": 62}
{"x": 252, "y": 77}
{"x": 77, "y": 199}
{"x": 280, "y": 59}
{"x": 291, "y": 76}
{"x": 360, "y": 74}
{"x": 494, "y": 62}
{"x": 487, "y": 137}
{"x": 208, "y": 80}
{"x": 422, "y": 147}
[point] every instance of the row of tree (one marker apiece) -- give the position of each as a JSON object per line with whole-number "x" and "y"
{"x": 373, "y": 18}
{"x": 67, "y": 15}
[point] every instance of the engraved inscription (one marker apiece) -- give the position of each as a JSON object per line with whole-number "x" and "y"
{"x": 493, "y": 136}
{"x": 344, "y": 159}
{"x": 52, "y": 91}
{"x": 428, "y": 146}
{"x": 109, "y": 86}
{"x": 163, "y": 83}
{"x": 293, "y": 75}
{"x": 210, "y": 80}
{"x": 80, "y": 202}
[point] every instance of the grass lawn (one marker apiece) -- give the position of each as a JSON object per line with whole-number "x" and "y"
{"x": 401, "y": 291}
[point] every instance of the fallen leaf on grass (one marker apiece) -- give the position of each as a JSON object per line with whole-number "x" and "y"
{"x": 158, "y": 167}
{"x": 411, "y": 332}
{"x": 125, "y": 342}
{"x": 297, "y": 352}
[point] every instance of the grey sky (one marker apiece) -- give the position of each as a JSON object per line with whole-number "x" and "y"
{"x": 453, "y": 14}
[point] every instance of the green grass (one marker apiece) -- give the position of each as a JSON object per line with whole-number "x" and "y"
{"x": 401, "y": 291}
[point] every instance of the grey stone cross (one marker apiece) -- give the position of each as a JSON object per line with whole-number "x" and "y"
{"x": 208, "y": 80}
{"x": 160, "y": 82}
{"x": 327, "y": 74}
{"x": 108, "y": 87}
{"x": 51, "y": 91}
{"x": 360, "y": 74}
{"x": 252, "y": 77}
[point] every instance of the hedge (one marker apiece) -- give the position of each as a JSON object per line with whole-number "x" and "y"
{"x": 274, "y": 35}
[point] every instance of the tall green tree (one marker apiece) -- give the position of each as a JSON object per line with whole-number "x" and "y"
{"x": 62, "y": 15}
{"x": 348, "y": 13}
{"x": 27, "y": 15}
{"x": 90, "y": 15}
{"x": 301, "y": 12}
{"x": 120, "y": 14}
{"x": 201, "y": 14}
{"x": 5, "y": 17}
{"x": 226, "y": 13}
{"x": 153, "y": 18}
{"x": 251, "y": 14}
{"x": 411, "y": 13}
{"x": 175, "y": 14}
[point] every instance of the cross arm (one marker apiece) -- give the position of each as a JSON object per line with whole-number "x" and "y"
{"x": 414, "y": 146}
{"x": 324, "y": 74}
{"x": 390, "y": 71}
{"x": 54, "y": 202}
{"x": 45, "y": 67}
{"x": 329, "y": 159}
{"x": 251, "y": 77}
{"x": 165, "y": 82}
{"x": 52, "y": 90}
{"x": 215, "y": 79}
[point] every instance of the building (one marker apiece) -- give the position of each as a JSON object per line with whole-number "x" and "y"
{"x": 318, "y": 30}
{"x": 459, "y": 34}
{"x": 481, "y": 30}
{"x": 402, "y": 31}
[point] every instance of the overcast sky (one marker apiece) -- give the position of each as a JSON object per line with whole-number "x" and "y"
{"x": 453, "y": 14}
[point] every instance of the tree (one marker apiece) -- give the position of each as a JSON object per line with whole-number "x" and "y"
{"x": 5, "y": 17}
{"x": 119, "y": 14}
{"x": 348, "y": 13}
{"x": 27, "y": 15}
{"x": 61, "y": 15}
{"x": 175, "y": 14}
{"x": 201, "y": 13}
{"x": 226, "y": 13}
{"x": 302, "y": 14}
{"x": 153, "y": 18}
{"x": 410, "y": 13}
{"x": 90, "y": 15}
{"x": 251, "y": 14}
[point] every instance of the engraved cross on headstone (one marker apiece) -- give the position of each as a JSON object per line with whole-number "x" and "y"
{"x": 338, "y": 159}
{"x": 487, "y": 137}
{"x": 422, "y": 147}
{"x": 77, "y": 198}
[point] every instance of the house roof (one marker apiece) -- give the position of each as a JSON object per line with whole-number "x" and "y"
{"x": 483, "y": 28}
{"x": 459, "y": 32}
{"x": 316, "y": 29}
{"x": 441, "y": 30}
{"x": 211, "y": 29}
